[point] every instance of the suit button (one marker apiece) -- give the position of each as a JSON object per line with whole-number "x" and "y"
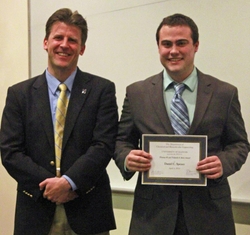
{"x": 52, "y": 163}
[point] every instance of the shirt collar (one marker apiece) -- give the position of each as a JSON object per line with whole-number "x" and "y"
{"x": 53, "y": 83}
{"x": 190, "y": 81}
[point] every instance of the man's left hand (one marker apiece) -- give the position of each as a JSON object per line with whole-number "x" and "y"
{"x": 211, "y": 167}
{"x": 57, "y": 190}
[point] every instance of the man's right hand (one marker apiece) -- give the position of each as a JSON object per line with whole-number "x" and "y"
{"x": 138, "y": 160}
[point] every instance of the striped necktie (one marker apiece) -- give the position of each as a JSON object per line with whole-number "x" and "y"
{"x": 179, "y": 112}
{"x": 61, "y": 110}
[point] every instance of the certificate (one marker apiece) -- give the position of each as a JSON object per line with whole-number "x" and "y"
{"x": 174, "y": 159}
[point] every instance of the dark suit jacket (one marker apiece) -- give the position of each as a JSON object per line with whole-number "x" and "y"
{"x": 207, "y": 209}
{"x": 27, "y": 149}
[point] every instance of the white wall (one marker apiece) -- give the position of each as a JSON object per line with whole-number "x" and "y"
{"x": 121, "y": 47}
{"x": 224, "y": 52}
{"x": 13, "y": 68}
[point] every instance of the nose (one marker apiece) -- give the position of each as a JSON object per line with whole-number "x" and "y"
{"x": 64, "y": 43}
{"x": 174, "y": 50}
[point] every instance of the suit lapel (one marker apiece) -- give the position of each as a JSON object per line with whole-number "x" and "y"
{"x": 79, "y": 93}
{"x": 80, "y": 90}
{"x": 157, "y": 102}
{"x": 43, "y": 107}
{"x": 204, "y": 95}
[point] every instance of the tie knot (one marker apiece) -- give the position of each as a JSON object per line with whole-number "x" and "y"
{"x": 62, "y": 87}
{"x": 179, "y": 88}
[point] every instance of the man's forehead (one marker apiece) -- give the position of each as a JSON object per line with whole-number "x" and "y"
{"x": 175, "y": 28}
{"x": 178, "y": 32}
{"x": 59, "y": 25}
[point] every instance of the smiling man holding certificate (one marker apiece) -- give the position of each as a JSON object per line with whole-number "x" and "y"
{"x": 183, "y": 131}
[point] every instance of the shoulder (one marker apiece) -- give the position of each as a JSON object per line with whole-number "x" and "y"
{"x": 29, "y": 83}
{"x": 215, "y": 83}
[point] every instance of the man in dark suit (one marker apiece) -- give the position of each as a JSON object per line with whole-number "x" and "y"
{"x": 75, "y": 198}
{"x": 213, "y": 110}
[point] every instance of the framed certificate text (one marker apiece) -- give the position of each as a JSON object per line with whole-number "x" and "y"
{"x": 174, "y": 159}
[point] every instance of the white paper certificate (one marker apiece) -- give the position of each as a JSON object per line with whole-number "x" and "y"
{"x": 174, "y": 159}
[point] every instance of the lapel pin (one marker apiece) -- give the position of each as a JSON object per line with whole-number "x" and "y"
{"x": 84, "y": 91}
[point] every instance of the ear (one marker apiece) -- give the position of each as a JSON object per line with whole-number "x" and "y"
{"x": 45, "y": 44}
{"x": 196, "y": 45}
{"x": 82, "y": 50}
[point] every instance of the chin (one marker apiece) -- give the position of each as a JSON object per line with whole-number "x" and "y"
{"x": 173, "y": 70}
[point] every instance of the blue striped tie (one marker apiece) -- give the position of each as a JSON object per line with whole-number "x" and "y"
{"x": 179, "y": 112}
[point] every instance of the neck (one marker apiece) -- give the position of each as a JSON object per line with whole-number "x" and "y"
{"x": 179, "y": 77}
{"x": 61, "y": 74}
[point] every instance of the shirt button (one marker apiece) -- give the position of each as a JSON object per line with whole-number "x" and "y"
{"x": 52, "y": 163}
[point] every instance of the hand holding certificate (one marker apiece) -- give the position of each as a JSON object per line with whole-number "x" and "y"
{"x": 174, "y": 159}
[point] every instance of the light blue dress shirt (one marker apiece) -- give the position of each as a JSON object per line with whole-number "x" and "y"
{"x": 54, "y": 93}
{"x": 189, "y": 94}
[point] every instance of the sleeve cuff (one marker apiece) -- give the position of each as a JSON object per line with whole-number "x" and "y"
{"x": 72, "y": 184}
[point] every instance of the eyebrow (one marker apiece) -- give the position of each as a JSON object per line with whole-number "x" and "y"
{"x": 164, "y": 42}
{"x": 179, "y": 40}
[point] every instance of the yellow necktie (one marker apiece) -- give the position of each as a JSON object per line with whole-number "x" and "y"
{"x": 61, "y": 111}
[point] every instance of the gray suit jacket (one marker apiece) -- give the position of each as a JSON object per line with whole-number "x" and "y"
{"x": 27, "y": 151}
{"x": 217, "y": 114}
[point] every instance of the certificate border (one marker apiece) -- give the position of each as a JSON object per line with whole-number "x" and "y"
{"x": 201, "y": 139}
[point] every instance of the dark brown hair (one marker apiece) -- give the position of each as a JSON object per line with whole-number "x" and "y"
{"x": 66, "y": 16}
{"x": 179, "y": 20}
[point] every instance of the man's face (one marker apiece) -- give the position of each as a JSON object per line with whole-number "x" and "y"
{"x": 64, "y": 47}
{"x": 177, "y": 51}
